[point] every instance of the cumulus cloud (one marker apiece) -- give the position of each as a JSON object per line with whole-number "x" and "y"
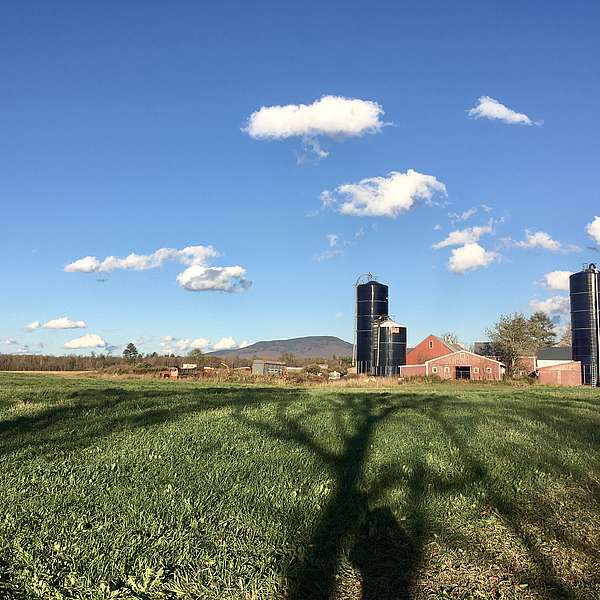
{"x": 64, "y": 323}
{"x": 9, "y": 341}
{"x": 332, "y": 116}
{"x": 225, "y": 343}
{"x": 539, "y": 239}
{"x": 489, "y": 108}
{"x": 557, "y": 280}
{"x": 469, "y": 257}
{"x": 32, "y": 326}
{"x": 198, "y": 278}
{"x": 172, "y": 345}
{"x": 383, "y": 196}
{"x": 463, "y": 236}
{"x": 593, "y": 229}
{"x": 191, "y": 255}
{"x": 557, "y": 305}
{"x": 192, "y": 344}
{"x": 89, "y": 340}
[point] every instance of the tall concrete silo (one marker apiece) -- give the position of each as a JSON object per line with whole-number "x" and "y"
{"x": 371, "y": 305}
{"x": 585, "y": 322}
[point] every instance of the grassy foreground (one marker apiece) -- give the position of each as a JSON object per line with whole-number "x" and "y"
{"x": 178, "y": 490}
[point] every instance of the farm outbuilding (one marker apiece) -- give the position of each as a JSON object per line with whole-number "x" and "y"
{"x": 274, "y": 368}
{"x": 564, "y": 373}
{"x": 553, "y": 355}
{"x": 443, "y": 358}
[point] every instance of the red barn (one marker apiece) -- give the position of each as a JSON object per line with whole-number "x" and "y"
{"x": 431, "y": 347}
{"x": 442, "y": 358}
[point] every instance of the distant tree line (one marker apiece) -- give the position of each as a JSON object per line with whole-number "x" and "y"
{"x": 132, "y": 358}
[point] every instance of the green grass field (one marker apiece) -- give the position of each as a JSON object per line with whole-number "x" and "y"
{"x": 128, "y": 489}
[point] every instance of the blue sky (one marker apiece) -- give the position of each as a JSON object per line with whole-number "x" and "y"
{"x": 122, "y": 132}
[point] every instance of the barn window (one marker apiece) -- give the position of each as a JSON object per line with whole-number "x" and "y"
{"x": 462, "y": 355}
{"x": 434, "y": 369}
{"x": 446, "y": 369}
{"x": 430, "y": 344}
{"x": 488, "y": 369}
{"x": 475, "y": 369}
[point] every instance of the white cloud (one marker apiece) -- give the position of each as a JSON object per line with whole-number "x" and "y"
{"x": 593, "y": 229}
{"x": 463, "y": 236}
{"x": 64, "y": 323}
{"x": 333, "y": 241}
{"x": 226, "y": 343}
{"x": 198, "y": 278}
{"x": 191, "y": 255}
{"x": 9, "y": 341}
{"x": 32, "y": 326}
{"x": 557, "y": 280}
{"x": 464, "y": 216}
{"x": 539, "y": 239}
{"x": 328, "y": 254}
{"x": 469, "y": 257}
{"x": 557, "y": 305}
{"x": 437, "y": 227}
{"x": 310, "y": 145}
{"x": 489, "y": 108}
{"x": 87, "y": 264}
{"x": 89, "y": 340}
{"x": 173, "y": 345}
{"x": 383, "y": 196}
{"x": 332, "y": 116}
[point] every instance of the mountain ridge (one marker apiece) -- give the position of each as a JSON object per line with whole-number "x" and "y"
{"x": 312, "y": 346}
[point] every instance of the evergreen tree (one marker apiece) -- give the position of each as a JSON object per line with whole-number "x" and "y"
{"x": 543, "y": 330}
{"x": 130, "y": 354}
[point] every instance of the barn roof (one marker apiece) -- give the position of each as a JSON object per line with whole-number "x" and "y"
{"x": 450, "y": 345}
{"x": 555, "y": 353}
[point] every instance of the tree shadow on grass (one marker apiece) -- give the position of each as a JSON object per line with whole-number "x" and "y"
{"x": 352, "y": 530}
{"x": 517, "y": 518}
{"x": 89, "y": 415}
{"x": 385, "y": 553}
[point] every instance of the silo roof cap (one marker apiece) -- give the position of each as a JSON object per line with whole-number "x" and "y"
{"x": 390, "y": 323}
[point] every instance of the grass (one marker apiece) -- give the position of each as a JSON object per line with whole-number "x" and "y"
{"x": 180, "y": 490}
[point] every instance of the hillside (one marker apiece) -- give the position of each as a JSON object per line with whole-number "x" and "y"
{"x": 314, "y": 346}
